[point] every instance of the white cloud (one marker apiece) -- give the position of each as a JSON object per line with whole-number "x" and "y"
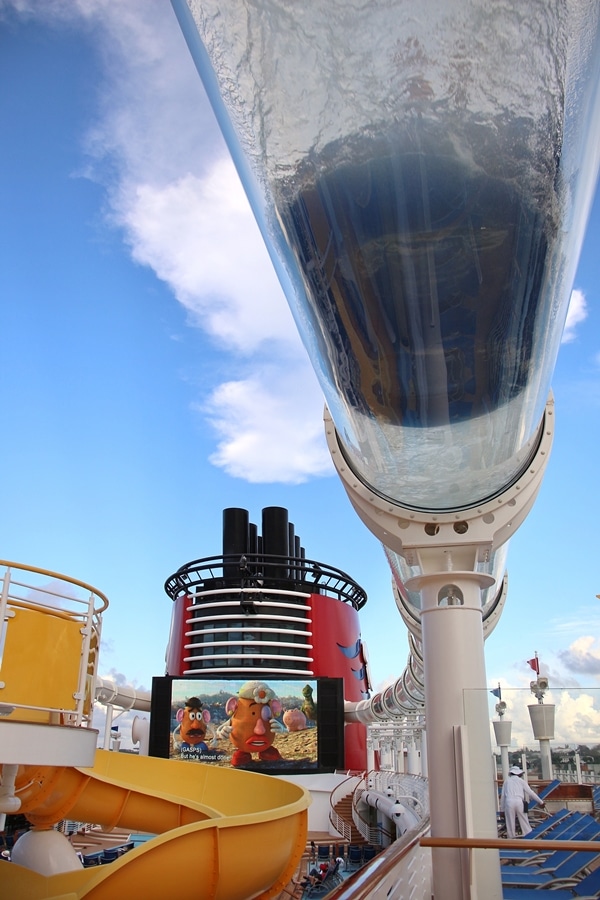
{"x": 268, "y": 426}
{"x": 583, "y": 656}
{"x": 154, "y": 123}
{"x": 575, "y": 316}
{"x": 577, "y": 717}
{"x": 574, "y": 690}
{"x": 156, "y": 149}
{"x": 199, "y": 235}
{"x": 581, "y": 619}
{"x": 56, "y": 593}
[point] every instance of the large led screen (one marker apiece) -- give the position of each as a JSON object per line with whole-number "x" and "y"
{"x": 272, "y": 725}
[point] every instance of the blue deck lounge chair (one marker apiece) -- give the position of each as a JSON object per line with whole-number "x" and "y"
{"x": 543, "y": 793}
{"x": 547, "y": 824}
{"x": 571, "y": 827}
{"x": 562, "y": 826}
{"x": 354, "y": 858}
{"x": 588, "y": 888}
{"x": 323, "y": 853}
{"x": 563, "y": 864}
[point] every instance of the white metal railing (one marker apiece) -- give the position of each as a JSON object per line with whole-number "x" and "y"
{"x": 342, "y": 827}
{"x": 401, "y": 870}
{"x": 41, "y": 591}
{"x": 569, "y": 777}
{"x": 405, "y": 787}
{"x": 344, "y": 789}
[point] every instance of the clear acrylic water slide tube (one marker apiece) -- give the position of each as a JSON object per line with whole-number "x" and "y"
{"x": 422, "y": 172}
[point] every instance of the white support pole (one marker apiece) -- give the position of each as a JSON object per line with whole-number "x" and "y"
{"x": 424, "y": 753}
{"x": 413, "y": 766}
{"x": 462, "y": 799}
{"x": 524, "y": 765}
{"x": 386, "y": 760}
{"x": 578, "y": 767}
{"x": 546, "y": 760}
{"x": 108, "y": 726}
{"x": 504, "y": 762}
{"x": 370, "y": 754}
{"x": 400, "y": 760}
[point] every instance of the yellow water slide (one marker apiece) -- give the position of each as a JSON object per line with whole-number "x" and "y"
{"x": 222, "y": 834}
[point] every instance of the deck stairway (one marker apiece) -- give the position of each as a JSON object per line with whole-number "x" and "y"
{"x": 343, "y": 808}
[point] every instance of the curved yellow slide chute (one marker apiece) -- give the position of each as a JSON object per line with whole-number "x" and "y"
{"x": 222, "y": 834}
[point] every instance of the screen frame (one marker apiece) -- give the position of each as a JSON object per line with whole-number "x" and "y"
{"x": 330, "y": 720}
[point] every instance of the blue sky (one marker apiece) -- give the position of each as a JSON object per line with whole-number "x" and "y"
{"x": 150, "y": 373}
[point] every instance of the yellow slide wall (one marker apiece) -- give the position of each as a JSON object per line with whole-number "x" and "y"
{"x": 222, "y": 834}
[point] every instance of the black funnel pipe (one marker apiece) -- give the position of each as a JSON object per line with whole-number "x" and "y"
{"x": 235, "y": 541}
{"x": 275, "y": 537}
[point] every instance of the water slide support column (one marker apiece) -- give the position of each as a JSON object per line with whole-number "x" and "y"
{"x": 458, "y": 730}
{"x": 424, "y": 771}
{"x": 449, "y": 549}
{"x": 370, "y": 754}
{"x": 400, "y": 758}
{"x": 412, "y": 757}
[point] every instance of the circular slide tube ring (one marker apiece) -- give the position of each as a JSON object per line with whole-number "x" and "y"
{"x": 460, "y": 538}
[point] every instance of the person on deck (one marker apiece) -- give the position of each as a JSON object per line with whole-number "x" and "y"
{"x": 512, "y": 799}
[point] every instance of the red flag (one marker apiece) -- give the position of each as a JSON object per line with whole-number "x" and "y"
{"x": 535, "y": 664}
